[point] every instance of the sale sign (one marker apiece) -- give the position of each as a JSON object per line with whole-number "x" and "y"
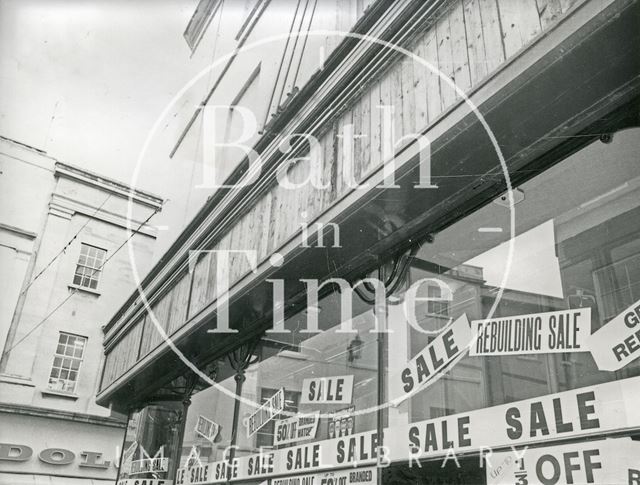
{"x": 207, "y": 429}
{"x": 360, "y": 476}
{"x": 144, "y": 481}
{"x": 602, "y": 461}
{"x": 265, "y": 413}
{"x": 297, "y": 428}
{"x": 617, "y": 343}
{"x": 536, "y": 333}
{"x": 433, "y": 361}
{"x": 327, "y": 390}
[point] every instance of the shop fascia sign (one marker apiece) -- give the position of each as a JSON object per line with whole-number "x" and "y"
{"x": 18, "y": 453}
{"x": 589, "y": 411}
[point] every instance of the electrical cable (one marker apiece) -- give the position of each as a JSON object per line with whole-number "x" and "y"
{"x": 284, "y": 53}
{"x": 65, "y": 246}
{"x": 75, "y": 290}
{"x": 293, "y": 53}
{"x": 304, "y": 44}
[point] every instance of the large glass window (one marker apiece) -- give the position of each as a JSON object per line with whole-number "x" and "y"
{"x": 209, "y": 423}
{"x": 150, "y": 442}
{"x": 326, "y": 379}
{"x": 576, "y": 246}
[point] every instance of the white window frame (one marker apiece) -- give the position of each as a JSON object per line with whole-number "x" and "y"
{"x": 66, "y": 363}
{"x": 89, "y": 271}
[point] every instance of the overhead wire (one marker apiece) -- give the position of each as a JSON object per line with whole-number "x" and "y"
{"x": 304, "y": 44}
{"x": 293, "y": 53}
{"x": 75, "y": 290}
{"x": 284, "y": 53}
{"x": 65, "y": 247}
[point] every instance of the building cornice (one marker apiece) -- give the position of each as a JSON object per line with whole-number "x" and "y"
{"x": 17, "y": 231}
{"x": 108, "y": 185}
{"x": 39, "y": 412}
{"x": 64, "y": 206}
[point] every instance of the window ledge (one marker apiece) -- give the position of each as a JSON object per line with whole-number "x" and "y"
{"x": 66, "y": 395}
{"x": 21, "y": 381}
{"x": 84, "y": 289}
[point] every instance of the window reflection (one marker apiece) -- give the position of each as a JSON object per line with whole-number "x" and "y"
{"x": 209, "y": 422}
{"x": 151, "y": 439}
{"x": 295, "y": 361}
{"x": 576, "y": 246}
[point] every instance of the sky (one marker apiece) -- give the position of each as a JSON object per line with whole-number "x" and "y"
{"x": 85, "y": 80}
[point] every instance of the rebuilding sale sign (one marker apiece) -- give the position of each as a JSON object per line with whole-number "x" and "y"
{"x": 265, "y": 413}
{"x": 598, "y": 462}
{"x": 360, "y": 476}
{"x": 433, "y": 361}
{"x": 617, "y": 343}
{"x": 550, "y": 332}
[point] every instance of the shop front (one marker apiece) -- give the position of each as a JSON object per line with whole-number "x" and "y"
{"x": 481, "y": 328}
{"x": 476, "y": 357}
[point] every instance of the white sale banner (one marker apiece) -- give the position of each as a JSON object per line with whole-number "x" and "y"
{"x": 536, "y": 333}
{"x": 617, "y": 343}
{"x": 433, "y": 361}
{"x": 614, "y": 461}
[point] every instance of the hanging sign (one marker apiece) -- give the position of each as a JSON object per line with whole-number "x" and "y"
{"x": 535, "y": 333}
{"x": 207, "y": 429}
{"x": 617, "y": 343}
{"x": 296, "y": 428}
{"x": 355, "y": 476}
{"x": 433, "y": 361}
{"x": 327, "y": 390}
{"x": 602, "y": 461}
{"x": 269, "y": 410}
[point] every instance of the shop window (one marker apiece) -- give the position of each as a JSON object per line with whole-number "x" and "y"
{"x": 150, "y": 442}
{"x": 291, "y": 400}
{"x": 89, "y": 266}
{"x": 209, "y": 421}
{"x": 66, "y": 362}
{"x": 326, "y": 379}
{"x": 573, "y": 249}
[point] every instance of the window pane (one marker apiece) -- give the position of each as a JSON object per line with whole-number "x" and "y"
{"x": 566, "y": 258}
